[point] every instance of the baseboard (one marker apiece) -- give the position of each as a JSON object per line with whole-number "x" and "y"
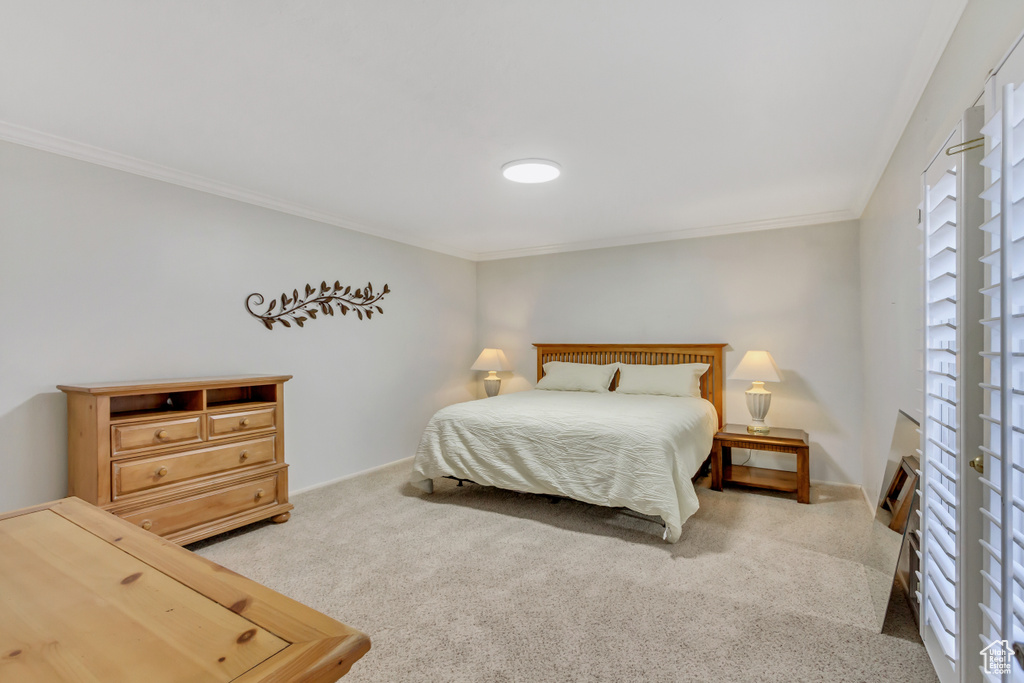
{"x": 867, "y": 499}
{"x": 295, "y": 492}
{"x": 834, "y": 483}
{"x": 863, "y": 491}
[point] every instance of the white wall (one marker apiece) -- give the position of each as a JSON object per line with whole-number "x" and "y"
{"x": 890, "y": 241}
{"x": 108, "y": 276}
{"x": 794, "y": 292}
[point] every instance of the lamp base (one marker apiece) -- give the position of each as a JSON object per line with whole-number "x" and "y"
{"x": 491, "y": 386}
{"x": 758, "y": 401}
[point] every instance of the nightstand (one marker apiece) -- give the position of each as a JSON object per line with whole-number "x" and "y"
{"x": 779, "y": 440}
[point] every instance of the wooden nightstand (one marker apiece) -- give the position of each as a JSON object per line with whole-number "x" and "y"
{"x": 779, "y": 440}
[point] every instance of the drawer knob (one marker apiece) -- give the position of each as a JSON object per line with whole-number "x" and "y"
{"x": 243, "y": 455}
{"x": 259, "y": 493}
{"x": 162, "y": 434}
{"x": 245, "y": 422}
{"x": 162, "y": 472}
{"x": 147, "y": 525}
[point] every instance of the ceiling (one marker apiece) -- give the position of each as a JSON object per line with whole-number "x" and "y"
{"x": 669, "y": 119}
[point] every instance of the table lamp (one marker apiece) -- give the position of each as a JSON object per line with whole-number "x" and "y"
{"x": 757, "y": 367}
{"x": 493, "y": 361}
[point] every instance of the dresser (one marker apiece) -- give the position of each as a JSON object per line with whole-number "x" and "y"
{"x": 183, "y": 459}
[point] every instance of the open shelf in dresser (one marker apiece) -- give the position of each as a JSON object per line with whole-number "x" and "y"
{"x": 185, "y": 459}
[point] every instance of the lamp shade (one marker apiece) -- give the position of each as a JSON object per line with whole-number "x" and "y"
{"x": 491, "y": 359}
{"x": 757, "y": 366}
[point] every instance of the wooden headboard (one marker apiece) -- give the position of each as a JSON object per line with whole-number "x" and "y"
{"x": 645, "y": 354}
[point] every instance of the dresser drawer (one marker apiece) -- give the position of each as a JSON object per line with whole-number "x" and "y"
{"x": 145, "y": 435}
{"x": 171, "y": 517}
{"x": 140, "y": 474}
{"x": 222, "y": 425}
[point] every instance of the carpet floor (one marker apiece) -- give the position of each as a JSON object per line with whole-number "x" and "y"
{"x": 475, "y": 584}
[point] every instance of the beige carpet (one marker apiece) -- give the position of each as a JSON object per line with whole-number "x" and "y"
{"x": 476, "y": 584}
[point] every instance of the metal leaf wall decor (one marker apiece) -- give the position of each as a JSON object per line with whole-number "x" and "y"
{"x": 298, "y": 309}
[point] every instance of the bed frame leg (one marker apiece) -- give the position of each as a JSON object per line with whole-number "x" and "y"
{"x": 705, "y": 468}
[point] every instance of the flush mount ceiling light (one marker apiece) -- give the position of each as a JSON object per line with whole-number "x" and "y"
{"x": 531, "y": 170}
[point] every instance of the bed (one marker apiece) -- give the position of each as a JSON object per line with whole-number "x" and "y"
{"x": 605, "y": 448}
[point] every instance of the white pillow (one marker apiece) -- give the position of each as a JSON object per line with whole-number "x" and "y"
{"x": 561, "y": 376}
{"x": 667, "y": 380}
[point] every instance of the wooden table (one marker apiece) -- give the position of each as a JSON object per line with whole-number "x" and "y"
{"x": 88, "y": 597}
{"x": 779, "y": 440}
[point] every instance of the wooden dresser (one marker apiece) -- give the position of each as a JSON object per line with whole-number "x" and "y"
{"x": 184, "y": 459}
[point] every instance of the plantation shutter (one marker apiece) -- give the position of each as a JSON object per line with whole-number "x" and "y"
{"x": 1002, "y": 603}
{"x": 940, "y": 445}
{"x": 951, "y": 212}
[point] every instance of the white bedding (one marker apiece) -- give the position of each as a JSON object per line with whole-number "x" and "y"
{"x": 634, "y": 451}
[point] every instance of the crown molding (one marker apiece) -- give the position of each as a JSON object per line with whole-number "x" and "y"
{"x": 688, "y": 233}
{"x": 46, "y": 142}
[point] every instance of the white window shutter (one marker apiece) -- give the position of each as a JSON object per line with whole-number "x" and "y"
{"x": 1002, "y": 603}
{"x": 940, "y": 443}
{"x": 950, "y": 492}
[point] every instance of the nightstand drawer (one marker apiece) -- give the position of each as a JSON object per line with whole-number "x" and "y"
{"x": 147, "y": 435}
{"x": 140, "y": 474}
{"x": 171, "y": 517}
{"x": 221, "y": 425}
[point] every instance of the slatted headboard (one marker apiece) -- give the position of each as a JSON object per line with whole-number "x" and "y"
{"x": 645, "y": 354}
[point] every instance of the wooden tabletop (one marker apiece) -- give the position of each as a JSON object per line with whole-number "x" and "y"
{"x": 172, "y": 384}
{"x": 88, "y": 597}
{"x": 779, "y": 436}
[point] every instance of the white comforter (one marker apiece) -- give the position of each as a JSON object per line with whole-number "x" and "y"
{"x": 634, "y": 451}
